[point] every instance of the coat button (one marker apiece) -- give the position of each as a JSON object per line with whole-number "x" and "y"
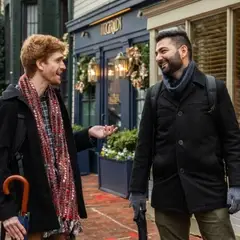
{"x": 180, "y": 113}
{"x": 181, "y": 170}
{"x": 180, "y": 142}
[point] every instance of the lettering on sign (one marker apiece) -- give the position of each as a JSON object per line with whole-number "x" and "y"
{"x": 111, "y": 27}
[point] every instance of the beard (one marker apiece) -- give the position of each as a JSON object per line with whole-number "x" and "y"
{"x": 171, "y": 65}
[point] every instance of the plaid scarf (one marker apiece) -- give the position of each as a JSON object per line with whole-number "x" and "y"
{"x": 57, "y": 165}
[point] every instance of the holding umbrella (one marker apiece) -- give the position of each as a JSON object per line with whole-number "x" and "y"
{"x": 138, "y": 202}
{"x": 140, "y": 219}
{"x": 23, "y": 215}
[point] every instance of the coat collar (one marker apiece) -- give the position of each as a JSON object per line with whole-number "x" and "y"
{"x": 199, "y": 79}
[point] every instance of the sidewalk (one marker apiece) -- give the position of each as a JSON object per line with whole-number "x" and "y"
{"x": 109, "y": 216}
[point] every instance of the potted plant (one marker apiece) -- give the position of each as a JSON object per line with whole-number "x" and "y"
{"x": 83, "y": 156}
{"x": 115, "y": 164}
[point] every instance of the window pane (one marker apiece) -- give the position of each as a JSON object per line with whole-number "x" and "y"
{"x": 237, "y": 63}
{"x": 89, "y": 107}
{"x": 114, "y": 107}
{"x": 209, "y": 40}
{"x": 92, "y": 113}
{"x": 85, "y": 117}
{"x": 140, "y": 103}
{"x": 32, "y": 19}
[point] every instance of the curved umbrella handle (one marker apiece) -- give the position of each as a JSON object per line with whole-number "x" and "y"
{"x": 25, "y": 190}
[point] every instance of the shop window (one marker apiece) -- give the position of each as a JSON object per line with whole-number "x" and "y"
{"x": 63, "y": 16}
{"x": 114, "y": 104}
{"x": 236, "y": 68}
{"x": 30, "y": 18}
{"x": 7, "y": 45}
{"x": 140, "y": 99}
{"x": 141, "y": 92}
{"x": 89, "y": 107}
{"x": 209, "y": 41}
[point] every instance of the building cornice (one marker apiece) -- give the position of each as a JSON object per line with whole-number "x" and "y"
{"x": 165, "y": 6}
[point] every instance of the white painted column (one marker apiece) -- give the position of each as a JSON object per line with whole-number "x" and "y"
{"x": 153, "y": 65}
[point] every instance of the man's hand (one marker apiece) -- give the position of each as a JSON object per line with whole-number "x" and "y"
{"x": 233, "y": 199}
{"x": 138, "y": 202}
{"x": 101, "y": 131}
{"x": 14, "y": 228}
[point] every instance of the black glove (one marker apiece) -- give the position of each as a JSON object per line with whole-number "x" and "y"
{"x": 138, "y": 202}
{"x": 233, "y": 199}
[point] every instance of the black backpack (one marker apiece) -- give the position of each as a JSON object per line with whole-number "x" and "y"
{"x": 211, "y": 94}
{"x": 20, "y": 135}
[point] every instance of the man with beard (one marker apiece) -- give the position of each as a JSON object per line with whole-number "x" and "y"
{"x": 190, "y": 147}
{"x": 49, "y": 149}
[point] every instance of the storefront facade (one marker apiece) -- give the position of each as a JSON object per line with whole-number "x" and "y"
{"x": 214, "y": 30}
{"x": 110, "y": 99}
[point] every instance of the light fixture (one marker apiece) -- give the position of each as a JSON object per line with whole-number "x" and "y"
{"x": 121, "y": 66}
{"x": 111, "y": 71}
{"x": 93, "y": 71}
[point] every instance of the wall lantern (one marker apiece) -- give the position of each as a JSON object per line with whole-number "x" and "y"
{"x": 93, "y": 70}
{"x": 121, "y": 66}
{"x": 111, "y": 70}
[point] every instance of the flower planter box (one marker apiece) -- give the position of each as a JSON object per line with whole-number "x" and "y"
{"x": 114, "y": 176}
{"x": 83, "y": 162}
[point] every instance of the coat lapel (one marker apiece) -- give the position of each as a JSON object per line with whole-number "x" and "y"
{"x": 164, "y": 93}
{"x": 189, "y": 90}
{"x": 197, "y": 78}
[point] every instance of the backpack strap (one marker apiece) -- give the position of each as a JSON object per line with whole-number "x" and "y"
{"x": 211, "y": 92}
{"x": 154, "y": 96}
{"x": 155, "y": 90}
{"x": 20, "y": 136}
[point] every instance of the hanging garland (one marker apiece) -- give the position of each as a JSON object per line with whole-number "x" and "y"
{"x": 65, "y": 40}
{"x": 138, "y": 69}
{"x": 82, "y": 83}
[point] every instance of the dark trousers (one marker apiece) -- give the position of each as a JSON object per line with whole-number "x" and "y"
{"x": 213, "y": 225}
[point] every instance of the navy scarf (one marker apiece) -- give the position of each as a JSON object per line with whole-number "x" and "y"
{"x": 176, "y": 87}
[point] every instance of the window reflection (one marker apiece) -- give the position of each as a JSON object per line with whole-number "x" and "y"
{"x": 114, "y": 107}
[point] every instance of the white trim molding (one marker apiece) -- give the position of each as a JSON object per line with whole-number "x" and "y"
{"x": 189, "y": 11}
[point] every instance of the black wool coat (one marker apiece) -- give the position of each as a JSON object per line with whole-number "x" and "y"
{"x": 190, "y": 150}
{"x": 42, "y": 212}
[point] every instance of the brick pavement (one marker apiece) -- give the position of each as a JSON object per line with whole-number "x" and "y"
{"x": 109, "y": 216}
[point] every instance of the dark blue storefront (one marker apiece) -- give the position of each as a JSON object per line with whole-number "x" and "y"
{"x": 110, "y": 100}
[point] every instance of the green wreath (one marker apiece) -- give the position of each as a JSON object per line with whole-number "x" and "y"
{"x": 82, "y": 83}
{"x": 138, "y": 70}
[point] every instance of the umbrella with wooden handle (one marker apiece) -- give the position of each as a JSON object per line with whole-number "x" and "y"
{"x": 24, "y": 215}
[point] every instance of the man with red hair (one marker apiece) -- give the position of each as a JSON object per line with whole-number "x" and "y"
{"x": 49, "y": 149}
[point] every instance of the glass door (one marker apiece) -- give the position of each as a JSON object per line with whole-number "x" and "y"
{"x": 112, "y": 108}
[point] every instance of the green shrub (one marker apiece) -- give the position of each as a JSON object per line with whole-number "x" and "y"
{"x": 77, "y": 128}
{"x": 121, "y": 145}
